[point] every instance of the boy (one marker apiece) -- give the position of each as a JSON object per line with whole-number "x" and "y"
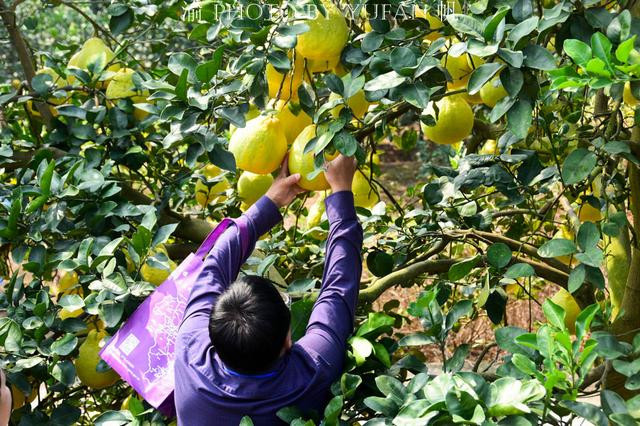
{"x": 234, "y": 354}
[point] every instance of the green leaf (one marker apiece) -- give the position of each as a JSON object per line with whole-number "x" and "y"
{"x": 206, "y": 71}
{"x": 499, "y": 255}
{"x": 583, "y": 321}
{"x": 361, "y": 349}
{"x": 178, "y": 62}
{"x": 376, "y": 323}
{"x": 588, "y": 235}
{"x": 523, "y": 29}
{"x": 416, "y": 339}
{"x": 491, "y": 24}
{"x": 65, "y": 414}
{"x": 333, "y": 410}
{"x": 481, "y": 76}
{"x": 466, "y": 24}
{"x": 538, "y": 57}
{"x": 601, "y": 47}
{"x": 520, "y": 270}
{"x": 624, "y": 49}
{"x": 459, "y": 270}
{"x": 578, "y": 165}
{"x": 576, "y": 278}
{"x": 587, "y": 411}
{"x": 519, "y": 117}
{"x": 554, "y": 313}
{"x": 246, "y": 421}
{"x": 592, "y": 257}
{"x": 119, "y": 24}
{"x": 64, "y": 345}
{"x": 577, "y": 50}
{"x": 385, "y": 81}
{"x": 346, "y": 143}
{"x": 64, "y": 372}
{"x": 557, "y": 247}
{"x": 181, "y": 85}
{"x": 301, "y": 285}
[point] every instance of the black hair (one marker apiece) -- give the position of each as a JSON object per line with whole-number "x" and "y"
{"x": 249, "y": 325}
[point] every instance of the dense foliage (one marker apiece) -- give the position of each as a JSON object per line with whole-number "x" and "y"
{"x": 106, "y": 147}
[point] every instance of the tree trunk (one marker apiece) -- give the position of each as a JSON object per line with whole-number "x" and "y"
{"x": 10, "y": 22}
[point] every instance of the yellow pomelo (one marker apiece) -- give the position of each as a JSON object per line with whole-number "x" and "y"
{"x": 564, "y": 299}
{"x": 358, "y": 104}
{"x": 314, "y": 218}
{"x": 68, "y": 281}
{"x": 363, "y": 194}
{"x": 121, "y": 86}
{"x": 156, "y": 276}
{"x": 492, "y": 92}
{"x": 453, "y": 122}
{"x": 588, "y": 213}
{"x": 252, "y": 113}
{"x": 283, "y": 83}
{"x": 260, "y": 146}
{"x": 459, "y": 69}
{"x": 293, "y": 119}
{"x": 490, "y": 147}
{"x": 327, "y": 35}
{"x": 252, "y": 186}
{"x": 434, "y": 22}
{"x": 302, "y": 163}
{"x": 205, "y": 194}
{"x": 94, "y": 50}
{"x": 628, "y": 97}
{"x": 322, "y": 65}
{"x": 618, "y": 256}
{"x": 88, "y": 359}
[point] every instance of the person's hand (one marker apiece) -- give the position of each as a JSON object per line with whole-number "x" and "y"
{"x": 339, "y": 172}
{"x": 285, "y": 188}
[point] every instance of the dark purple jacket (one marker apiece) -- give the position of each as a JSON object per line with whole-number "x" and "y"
{"x": 207, "y": 393}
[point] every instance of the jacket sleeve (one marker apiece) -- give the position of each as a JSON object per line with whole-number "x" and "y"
{"x": 223, "y": 263}
{"x": 332, "y": 318}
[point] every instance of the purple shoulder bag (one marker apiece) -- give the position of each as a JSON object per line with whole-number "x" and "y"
{"x": 142, "y": 351}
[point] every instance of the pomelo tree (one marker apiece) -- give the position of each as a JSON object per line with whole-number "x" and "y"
{"x": 120, "y": 152}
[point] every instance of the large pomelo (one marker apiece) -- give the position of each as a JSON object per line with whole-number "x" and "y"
{"x": 252, "y": 186}
{"x": 302, "y": 163}
{"x": 454, "y": 120}
{"x": 327, "y": 35}
{"x": 260, "y": 146}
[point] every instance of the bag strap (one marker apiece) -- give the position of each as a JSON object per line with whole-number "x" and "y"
{"x": 213, "y": 236}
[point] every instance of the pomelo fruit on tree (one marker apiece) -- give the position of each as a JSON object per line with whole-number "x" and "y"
{"x": 205, "y": 195}
{"x": 252, "y": 186}
{"x": 327, "y": 35}
{"x": 314, "y": 218}
{"x": 459, "y": 69}
{"x": 260, "y": 146}
{"x": 122, "y": 86}
{"x": 434, "y": 22}
{"x": 564, "y": 299}
{"x": 492, "y": 92}
{"x": 322, "y": 65}
{"x": 19, "y": 399}
{"x": 490, "y": 147}
{"x": 154, "y": 274}
{"x": 454, "y": 120}
{"x": 566, "y": 233}
{"x": 67, "y": 285}
{"x": 302, "y": 163}
{"x": 363, "y": 193}
{"x": 253, "y": 112}
{"x": 627, "y": 95}
{"x": 617, "y": 258}
{"x": 282, "y": 86}
{"x": 87, "y": 361}
{"x": 293, "y": 119}
{"x": 357, "y": 103}
{"x": 93, "y": 51}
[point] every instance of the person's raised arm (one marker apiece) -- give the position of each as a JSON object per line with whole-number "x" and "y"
{"x": 332, "y": 318}
{"x": 225, "y": 259}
